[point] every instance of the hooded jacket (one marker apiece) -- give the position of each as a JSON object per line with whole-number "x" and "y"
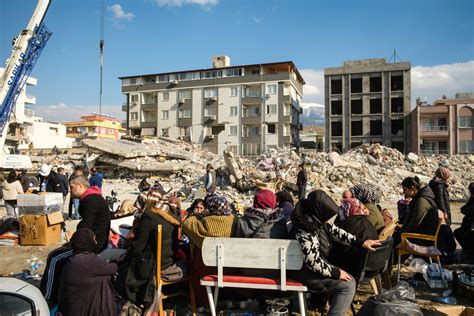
{"x": 95, "y": 215}
{"x": 316, "y": 236}
{"x": 441, "y": 196}
{"x": 422, "y": 217}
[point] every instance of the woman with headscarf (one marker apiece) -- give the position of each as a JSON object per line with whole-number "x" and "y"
{"x": 137, "y": 276}
{"x": 264, "y": 219}
{"x": 218, "y": 220}
{"x": 85, "y": 287}
{"x": 370, "y": 197}
{"x": 353, "y": 219}
{"x": 316, "y": 236}
{"x": 439, "y": 184}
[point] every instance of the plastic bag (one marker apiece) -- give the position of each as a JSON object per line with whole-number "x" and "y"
{"x": 401, "y": 291}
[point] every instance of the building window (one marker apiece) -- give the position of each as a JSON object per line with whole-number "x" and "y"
{"x": 466, "y": 121}
{"x": 133, "y": 80}
{"x": 184, "y": 113}
{"x": 165, "y": 132}
{"x": 251, "y": 112}
{"x": 184, "y": 94}
{"x": 271, "y": 89}
{"x": 234, "y": 91}
{"x": 376, "y": 128}
{"x": 184, "y": 131}
{"x": 233, "y": 72}
{"x": 466, "y": 146}
{"x": 396, "y": 82}
{"x": 211, "y": 74}
{"x": 165, "y": 96}
{"x": 396, "y": 105}
{"x": 165, "y": 115}
{"x": 53, "y": 131}
{"x": 210, "y": 92}
{"x": 375, "y": 84}
{"x": 271, "y": 128}
{"x": 252, "y": 92}
{"x": 133, "y": 116}
{"x": 251, "y": 131}
{"x": 207, "y": 111}
{"x": 163, "y": 78}
{"x": 397, "y": 127}
{"x": 336, "y": 129}
{"x": 336, "y": 107}
{"x": 356, "y": 85}
{"x": 375, "y": 106}
{"x": 336, "y": 86}
{"x": 233, "y": 111}
{"x": 356, "y": 106}
{"x": 356, "y": 128}
{"x": 250, "y": 149}
{"x": 232, "y": 130}
{"x": 134, "y": 98}
{"x": 271, "y": 108}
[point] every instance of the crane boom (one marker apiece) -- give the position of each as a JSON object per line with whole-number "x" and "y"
{"x": 26, "y": 50}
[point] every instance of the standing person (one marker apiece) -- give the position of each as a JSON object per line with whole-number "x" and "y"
{"x": 85, "y": 286}
{"x": 11, "y": 187}
{"x": 73, "y": 201}
{"x": 93, "y": 209}
{"x": 210, "y": 179}
{"x": 465, "y": 233}
{"x": 25, "y": 181}
{"x": 301, "y": 181}
{"x": 64, "y": 181}
{"x": 96, "y": 178}
{"x": 49, "y": 180}
{"x": 439, "y": 184}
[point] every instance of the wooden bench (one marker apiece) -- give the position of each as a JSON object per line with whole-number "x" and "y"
{"x": 252, "y": 253}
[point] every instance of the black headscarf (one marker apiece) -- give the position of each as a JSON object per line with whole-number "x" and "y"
{"x": 284, "y": 196}
{"x": 83, "y": 241}
{"x": 314, "y": 211}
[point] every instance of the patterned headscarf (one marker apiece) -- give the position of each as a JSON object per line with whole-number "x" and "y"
{"x": 351, "y": 207}
{"x": 365, "y": 193}
{"x": 217, "y": 205}
{"x": 443, "y": 173}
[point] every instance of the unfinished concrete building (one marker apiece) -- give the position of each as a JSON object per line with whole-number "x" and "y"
{"x": 367, "y": 101}
{"x": 246, "y": 109}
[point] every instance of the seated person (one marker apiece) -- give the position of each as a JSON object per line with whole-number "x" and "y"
{"x": 422, "y": 217}
{"x": 217, "y": 220}
{"x": 370, "y": 197}
{"x": 353, "y": 219}
{"x": 264, "y": 219}
{"x": 465, "y": 233}
{"x": 85, "y": 286}
{"x": 316, "y": 236}
{"x": 285, "y": 202}
{"x": 137, "y": 276}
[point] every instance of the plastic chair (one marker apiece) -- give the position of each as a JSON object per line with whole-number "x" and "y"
{"x": 372, "y": 264}
{"x": 160, "y": 283}
{"x": 407, "y": 247}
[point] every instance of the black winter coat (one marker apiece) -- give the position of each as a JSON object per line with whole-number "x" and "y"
{"x": 53, "y": 184}
{"x": 95, "y": 215}
{"x": 440, "y": 190}
{"x": 465, "y": 233}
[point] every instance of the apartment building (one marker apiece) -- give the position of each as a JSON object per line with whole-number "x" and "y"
{"x": 367, "y": 101}
{"x": 246, "y": 109}
{"x": 95, "y": 126}
{"x": 445, "y": 127}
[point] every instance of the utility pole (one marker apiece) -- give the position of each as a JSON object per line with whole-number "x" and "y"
{"x": 101, "y": 47}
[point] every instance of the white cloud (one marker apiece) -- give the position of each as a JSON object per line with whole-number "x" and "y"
{"x": 119, "y": 14}
{"x": 432, "y": 82}
{"x": 62, "y": 113}
{"x": 314, "y": 87}
{"x": 306, "y": 106}
{"x": 205, "y": 4}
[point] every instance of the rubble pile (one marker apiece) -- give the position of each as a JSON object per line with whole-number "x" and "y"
{"x": 182, "y": 167}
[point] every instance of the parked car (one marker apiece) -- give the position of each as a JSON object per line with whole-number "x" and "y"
{"x": 20, "y": 298}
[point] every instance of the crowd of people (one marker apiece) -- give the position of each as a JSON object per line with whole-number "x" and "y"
{"x": 331, "y": 236}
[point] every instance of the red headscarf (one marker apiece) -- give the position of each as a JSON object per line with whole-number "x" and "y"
{"x": 265, "y": 199}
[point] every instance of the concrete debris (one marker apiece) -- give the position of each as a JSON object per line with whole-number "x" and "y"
{"x": 181, "y": 167}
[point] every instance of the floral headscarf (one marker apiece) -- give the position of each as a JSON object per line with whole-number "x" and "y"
{"x": 351, "y": 207}
{"x": 365, "y": 193}
{"x": 217, "y": 205}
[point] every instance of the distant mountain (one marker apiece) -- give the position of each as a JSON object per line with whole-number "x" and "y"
{"x": 313, "y": 114}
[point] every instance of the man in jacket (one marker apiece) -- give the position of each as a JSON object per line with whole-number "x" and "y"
{"x": 210, "y": 179}
{"x": 63, "y": 179}
{"x": 96, "y": 178}
{"x": 93, "y": 209}
{"x": 301, "y": 181}
{"x": 49, "y": 180}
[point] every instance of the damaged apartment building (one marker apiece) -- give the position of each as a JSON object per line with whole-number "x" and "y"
{"x": 245, "y": 109}
{"x": 367, "y": 101}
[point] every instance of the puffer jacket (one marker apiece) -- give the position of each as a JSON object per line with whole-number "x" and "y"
{"x": 253, "y": 224}
{"x": 441, "y": 197}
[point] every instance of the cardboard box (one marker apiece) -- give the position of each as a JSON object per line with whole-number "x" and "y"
{"x": 44, "y": 203}
{"x": 40, "y": 229}
{"x": 445, "y": 310}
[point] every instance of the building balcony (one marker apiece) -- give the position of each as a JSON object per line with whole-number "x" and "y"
{"x": 434, "y": 128}
{"x": 148, "y": 124}
{"x": 434, "y": 152}
{"x": 252, "y": 99}
{"x": 434, "y": 131}
{"x": 149, "y": 106}
{"x": 252, "y": 120}
{"x": 124, "y": 107}
{"x": 251, "y": 138}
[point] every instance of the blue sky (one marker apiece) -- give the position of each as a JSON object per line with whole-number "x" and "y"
{"x": 149, "y": 36}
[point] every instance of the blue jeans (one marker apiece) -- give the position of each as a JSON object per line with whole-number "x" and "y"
{"x": 74, "y": 203}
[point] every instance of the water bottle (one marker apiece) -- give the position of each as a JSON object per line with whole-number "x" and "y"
{"x": 446, "y": 300}
{"x": 43, "y": 186}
